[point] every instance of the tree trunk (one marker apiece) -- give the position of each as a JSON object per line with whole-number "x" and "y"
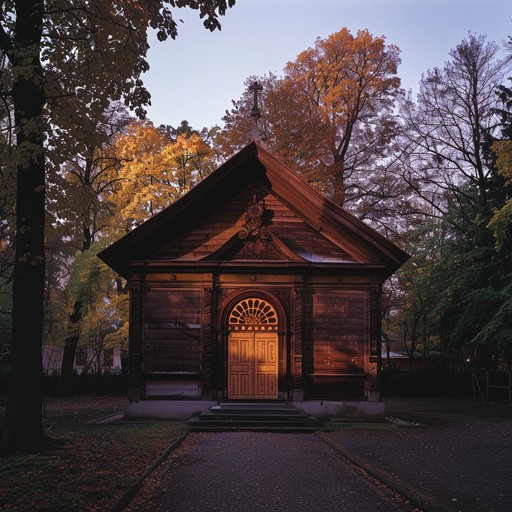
{"x": 22, "y": 429}
{"x": 73, "y": 332}
{"x": 70, "y": 345}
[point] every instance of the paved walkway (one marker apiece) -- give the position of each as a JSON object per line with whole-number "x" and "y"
{"x": 260, "y": 472}
{"x": 450, "y": 456}
{"x": 457, "y": 458}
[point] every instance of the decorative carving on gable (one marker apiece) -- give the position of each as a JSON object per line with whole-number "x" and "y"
{"x": 254, "y": 240}
{"x": 255, "y": 237}
{"x": 254, "y": 221}
{"x": 258, "y": 248}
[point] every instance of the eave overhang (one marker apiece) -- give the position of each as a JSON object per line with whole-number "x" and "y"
{"x": 262, "y": 267}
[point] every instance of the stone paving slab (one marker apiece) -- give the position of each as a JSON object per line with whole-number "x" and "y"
{"x": 452, "y": 461}
{"x": 450, "y": 455}
{"x": 260, "y": 472}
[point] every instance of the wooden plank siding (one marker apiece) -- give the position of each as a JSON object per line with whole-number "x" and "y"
{"x": 297, "y": 348}
{"x": 208, "y": 317}
{"x": 217, "y": 229}
{"x": 211, "y": 234}
{"x": 337, "y": 332}
{"x": 172, "y": 330}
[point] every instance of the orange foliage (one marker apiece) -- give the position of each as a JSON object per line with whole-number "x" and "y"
{"x": 331, "y": 115}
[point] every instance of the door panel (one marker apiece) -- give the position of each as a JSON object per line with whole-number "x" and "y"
{"x": 252, "y": 365}
{"x": 240, "y": 348}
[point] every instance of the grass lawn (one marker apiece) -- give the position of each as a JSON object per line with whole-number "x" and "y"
{"x": 92, "y": 466}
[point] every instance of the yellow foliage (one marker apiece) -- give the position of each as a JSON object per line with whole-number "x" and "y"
{"x": 118, "y": 338}
{"x": 155, "y": 171}
{"x": 503, "y": 152}
{"x": 106, "y": 323}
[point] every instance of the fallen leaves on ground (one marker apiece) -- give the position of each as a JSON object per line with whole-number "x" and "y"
{"x": 91, "y": 467}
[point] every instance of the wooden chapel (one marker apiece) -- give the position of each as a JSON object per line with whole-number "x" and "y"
{"x": 254, "y": 286}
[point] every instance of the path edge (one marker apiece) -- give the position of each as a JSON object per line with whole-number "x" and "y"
{"x": 127, "y": 497}
{"x": 413, "y": 500}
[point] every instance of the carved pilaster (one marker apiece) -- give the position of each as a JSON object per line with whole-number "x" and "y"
{"x": 218, "y": 363}
{"x": 375, "y": 339}
{"x": 284, "y": 297}
{"x": 298, "y": 337}
{"x": 207, "y": 341}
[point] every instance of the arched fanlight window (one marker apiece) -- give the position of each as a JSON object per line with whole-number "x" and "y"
{"x": 253, "y": 314}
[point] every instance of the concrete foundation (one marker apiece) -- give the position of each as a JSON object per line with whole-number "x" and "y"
{"x": 321, "y": 409}
{"x": 343, "y": 411}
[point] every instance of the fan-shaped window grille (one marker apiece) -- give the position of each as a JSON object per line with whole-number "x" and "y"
{"x": 253, "y": 314}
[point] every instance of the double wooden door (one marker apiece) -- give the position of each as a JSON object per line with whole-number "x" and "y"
{"x": 253, "y": 365}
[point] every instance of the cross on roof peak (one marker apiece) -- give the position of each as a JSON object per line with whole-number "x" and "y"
{"x": 255, "y": 88}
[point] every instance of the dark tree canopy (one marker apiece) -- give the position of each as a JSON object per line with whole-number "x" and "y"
{"x": 68, "y": 61}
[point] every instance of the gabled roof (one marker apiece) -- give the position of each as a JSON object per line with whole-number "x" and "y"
{"x": 254, "y": 164}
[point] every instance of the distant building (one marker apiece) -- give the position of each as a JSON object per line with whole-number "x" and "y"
{"x": 86, "y": 358}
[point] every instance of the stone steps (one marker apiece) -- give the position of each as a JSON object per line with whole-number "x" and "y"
{"x": 253, "y": 416}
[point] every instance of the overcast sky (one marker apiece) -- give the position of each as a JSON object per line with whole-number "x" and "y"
{"x": 196, "y": 76}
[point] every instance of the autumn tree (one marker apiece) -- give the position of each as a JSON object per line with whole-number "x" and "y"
{"x": 78, "y": 208}
{"x": 501, "y": 221}
{"x": 141, "y": 170}
{"x": 104, "y": 304}
{"x": 157, "y": 166}
{"x": 205, "y": 159}
{"x": 331, "y": 114}
{"x": 67, "y": 60}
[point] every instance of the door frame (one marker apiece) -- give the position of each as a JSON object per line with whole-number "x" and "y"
{"x": 225, "y": 308}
